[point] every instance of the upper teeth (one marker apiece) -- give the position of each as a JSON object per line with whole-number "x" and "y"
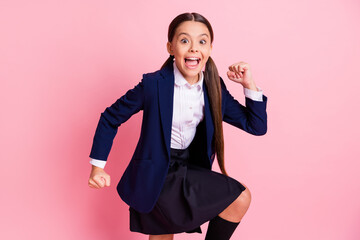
{"x": 193, "y": 58}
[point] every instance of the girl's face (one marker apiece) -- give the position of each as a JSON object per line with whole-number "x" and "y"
{"x": 191, "y": 47}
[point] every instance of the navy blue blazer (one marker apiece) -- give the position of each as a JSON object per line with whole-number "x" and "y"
{"x": 142, "y": 181}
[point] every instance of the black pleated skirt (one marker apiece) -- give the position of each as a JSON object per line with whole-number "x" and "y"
{"x": 191, "y": 196}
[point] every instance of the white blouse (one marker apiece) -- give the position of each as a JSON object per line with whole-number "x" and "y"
{"x": 188, "y": 111}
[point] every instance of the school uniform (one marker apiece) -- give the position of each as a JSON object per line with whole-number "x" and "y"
{"x": 168, "y": 184}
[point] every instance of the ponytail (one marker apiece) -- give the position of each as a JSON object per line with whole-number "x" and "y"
{"x": 212, "y": 81}
{"x": 168, "y": 61}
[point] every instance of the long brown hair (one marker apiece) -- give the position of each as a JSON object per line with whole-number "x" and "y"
{"x": 212, "y": 81}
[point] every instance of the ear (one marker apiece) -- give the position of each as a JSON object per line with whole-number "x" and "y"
{"x": 169, "y": 48}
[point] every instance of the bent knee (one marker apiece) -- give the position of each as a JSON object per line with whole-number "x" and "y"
{"x": 241, "y": 204}
{"x": 245, "y": 197}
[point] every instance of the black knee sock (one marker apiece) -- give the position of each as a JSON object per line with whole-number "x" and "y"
{"x": 220, "y": 229}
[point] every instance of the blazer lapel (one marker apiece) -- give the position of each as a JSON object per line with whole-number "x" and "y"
{"x": 208, "y": 121}
{"x": 166, "y": 99}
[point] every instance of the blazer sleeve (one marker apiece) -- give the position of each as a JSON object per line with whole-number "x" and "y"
{"x": 113, "y": 116}
{"x": 251, "y": 118}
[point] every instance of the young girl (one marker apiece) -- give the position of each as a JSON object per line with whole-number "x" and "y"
{"x": 168, "y": 184}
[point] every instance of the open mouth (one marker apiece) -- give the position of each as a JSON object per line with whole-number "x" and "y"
{"x": 192, "y": 62}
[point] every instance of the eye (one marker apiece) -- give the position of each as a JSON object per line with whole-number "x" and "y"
{"x": 184, "y": 40}
{"x": 202, "y": 42}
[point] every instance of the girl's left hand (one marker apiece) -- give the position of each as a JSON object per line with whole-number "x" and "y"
{"x": 240, "y": 73}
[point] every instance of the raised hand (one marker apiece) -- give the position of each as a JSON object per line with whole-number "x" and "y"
{"x": 240, "y": 72}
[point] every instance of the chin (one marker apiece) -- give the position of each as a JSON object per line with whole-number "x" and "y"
{"x": 192, "y": 72}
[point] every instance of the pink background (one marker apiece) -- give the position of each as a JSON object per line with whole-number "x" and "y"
{"x": 63, "y": 62}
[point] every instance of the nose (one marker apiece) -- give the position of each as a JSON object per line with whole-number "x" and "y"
{"x": 193, "y": 48}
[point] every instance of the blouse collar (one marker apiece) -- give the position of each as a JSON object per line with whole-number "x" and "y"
{"x": 180, "y": 80}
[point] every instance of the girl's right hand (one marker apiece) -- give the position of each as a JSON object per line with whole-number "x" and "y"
{"x": 98, "y": 178}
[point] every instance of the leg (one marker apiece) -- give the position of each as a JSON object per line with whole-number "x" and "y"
{"x": 237, "y": 209}
{"x": 223, "y": 226}
{"x": 161, "y": 237}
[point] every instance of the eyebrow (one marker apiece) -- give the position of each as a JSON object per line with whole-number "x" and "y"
{"x": 189, "y": 34}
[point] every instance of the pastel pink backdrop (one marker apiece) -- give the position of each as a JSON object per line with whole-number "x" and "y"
{"x": 63, "y": 62}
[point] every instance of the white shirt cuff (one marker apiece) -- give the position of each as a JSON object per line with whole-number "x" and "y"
{"x": 254, "y": 95}
{"x": 98, "y": 163}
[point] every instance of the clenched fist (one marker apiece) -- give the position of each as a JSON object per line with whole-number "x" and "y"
{"x": 98, "y": 178}
{"x": 240, "y": 72}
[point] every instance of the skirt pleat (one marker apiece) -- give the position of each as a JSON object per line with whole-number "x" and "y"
{"x": 191, "y": 196}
